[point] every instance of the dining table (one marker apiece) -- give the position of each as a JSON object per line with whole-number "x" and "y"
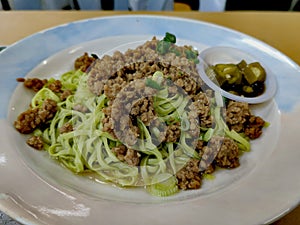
{"x": 277, "y": 29}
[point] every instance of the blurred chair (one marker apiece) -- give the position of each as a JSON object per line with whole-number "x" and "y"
{"x": 103, "y": 4}
{"x": 25, "y": 5}
{"x": 178, "y": 6}
{"x": 213, "y": 5}
{"x": 89, "y": 4}
{"x": 226, "y": 5}
{"x": 162, "y": 5}
{"x": 5, "y": 5}
{"x": 201, "y": 5}
{"x": 187, "y": 4}
{"x": 36, "y": 4}
{"x": 295, "y": 6}
{"x": 151, "y": 5}
{"x": 265, "y": 5}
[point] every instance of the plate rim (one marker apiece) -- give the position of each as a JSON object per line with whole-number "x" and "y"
{"x": 160, "y": 17}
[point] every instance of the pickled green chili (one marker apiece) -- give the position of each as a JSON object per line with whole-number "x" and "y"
{"x": 241, "y": 79}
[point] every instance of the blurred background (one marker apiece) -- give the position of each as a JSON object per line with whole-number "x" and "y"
{"x": 147, "y": 5}
{"x": 152, "y": 5}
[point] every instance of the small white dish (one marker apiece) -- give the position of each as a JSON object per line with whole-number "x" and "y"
{"x": 223, "y": 54}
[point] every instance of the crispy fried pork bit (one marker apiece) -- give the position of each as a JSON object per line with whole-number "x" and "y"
{"x": 35, "y": 142}
{"x": 29, "y": 120}
{"x": 35, "y": 84}
{"x": 84, "y": 62}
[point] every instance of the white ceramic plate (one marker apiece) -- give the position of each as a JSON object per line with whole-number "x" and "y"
{"x": 36, "y": 190}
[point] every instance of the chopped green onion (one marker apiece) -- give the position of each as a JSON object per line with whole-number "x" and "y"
{"x": 94, "y": 56}
{"x": 153, "y": 84}
{"x": 163, "y": 47}
{"x": 208, "y": 134}
{"x": 37, "y": 133}
{"x": 170, "y": 38}
{"x": 175, "y": 51}
{"x": 191, "y": 54}
{"x": 158, "y": 76}
{"x": 163, "y": 185}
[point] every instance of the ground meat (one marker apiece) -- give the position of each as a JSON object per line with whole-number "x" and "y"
{"x": 209, "y": 169}
{"x": 124, "y": 126}
{"x": 141, "y": 62}
{"x": 81, "y": 108}
{"x": 55, "y": 86}
{"x": 132, "y": 157}
{"x": 187, "y": 84}
{"x": 237, "y": 115}
{"x": 121, "y": 78}
{"x": 111, "y": 85}
{"x": 173, "y": 132}
{"x": 48, "y": 110}
{"x": 189, "y": 176}
{"x": 201, "y": 106}
{"x": 36, "y": 142}
{"x": 29, "y": 120}
{"x": 33, "y": 83}
{"x": 20, "y": 79}
{"x": 66, "y": 128}
{"x": 129, "y": 95}
{"x": 207, "y": 155}
{"x": 65, "y": 94}
{"x": 254, "y": 128}
{"x": 124, "y": 154}
{"x": 220, "y": 151}
{"x": 107, "y": 121}
{"x": 240, "y": 119}
{"x": 193, "y": 120}
{"x": 83, "y": 62}
{"x": 227, "y": 152}
{"x": 200, "y": 144}
{"x": 144, "y": 110}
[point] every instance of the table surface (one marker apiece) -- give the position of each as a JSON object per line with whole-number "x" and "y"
{"x": 281, "y": 30}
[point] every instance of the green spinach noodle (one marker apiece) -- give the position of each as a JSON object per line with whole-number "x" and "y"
{"x": 150, "y": 124}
